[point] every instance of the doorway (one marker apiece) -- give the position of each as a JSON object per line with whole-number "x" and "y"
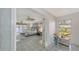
{"x": 28, "y": 31}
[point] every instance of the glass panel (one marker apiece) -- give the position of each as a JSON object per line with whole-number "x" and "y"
{"x": 64, "y": 28}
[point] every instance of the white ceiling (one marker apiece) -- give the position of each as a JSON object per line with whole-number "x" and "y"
{"x": 40, "y": 12}
{"x": 61, "y": 11}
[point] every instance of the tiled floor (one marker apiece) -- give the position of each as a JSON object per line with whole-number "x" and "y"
{"x": 32, "y": 43}
{"x": 74, "y": 47}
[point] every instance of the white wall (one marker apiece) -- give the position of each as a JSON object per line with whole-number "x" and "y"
{"x": 5, "y": 29}
{"x": 75, "y": 29}
{"x": 52, "y": 29}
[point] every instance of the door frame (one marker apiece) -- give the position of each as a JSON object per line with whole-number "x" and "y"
{"x": 13, "y": 29}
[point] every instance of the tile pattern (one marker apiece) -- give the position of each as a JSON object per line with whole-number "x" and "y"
{"x": 74, "y": 47}
{"x": 32, "y": 43}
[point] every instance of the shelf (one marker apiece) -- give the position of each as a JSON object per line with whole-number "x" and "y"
{"x": 64, "y": 27}
{"x": 21, "y": 23}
